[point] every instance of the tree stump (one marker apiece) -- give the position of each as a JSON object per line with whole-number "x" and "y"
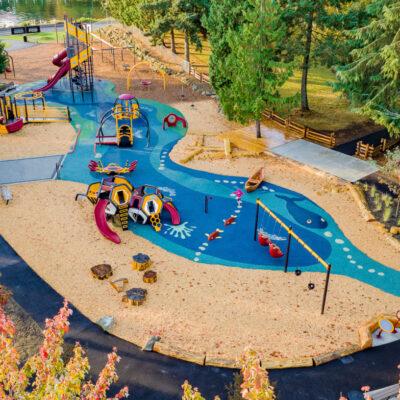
{"x": 101, "y": 271}
{"x": 150, "y": 276}
{"x": 5, "y": 295}
{"x": 135, "y": 296}
{"x": 140, "y": 262}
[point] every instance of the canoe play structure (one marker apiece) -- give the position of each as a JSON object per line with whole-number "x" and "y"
{"x": 255, "y": 180}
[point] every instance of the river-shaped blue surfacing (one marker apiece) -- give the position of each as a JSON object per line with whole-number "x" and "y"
{"x": 188, "y": 188}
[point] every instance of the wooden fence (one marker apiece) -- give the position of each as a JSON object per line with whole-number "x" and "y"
{"x": 198, "y": 75}
{"x": 367, "y": 151}
{"x": 324, "y": 139}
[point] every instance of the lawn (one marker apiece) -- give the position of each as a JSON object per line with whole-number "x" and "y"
{"x": 41, "y": 37}
{"x": 329, "y": 110}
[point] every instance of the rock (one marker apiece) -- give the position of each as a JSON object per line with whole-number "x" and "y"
{"x": 106, "y": 323}
{"x": 150, "y": 343}
{"x": 395, "y": 230}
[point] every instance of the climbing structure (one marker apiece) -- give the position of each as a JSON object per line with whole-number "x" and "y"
{"x": 126, "y": 109}
{"x": 80, "y": 56}
{"x": 25, "y": 107}
{"x": 116, "y": 198}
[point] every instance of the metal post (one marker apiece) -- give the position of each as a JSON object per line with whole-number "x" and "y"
{"x": 256, "y": 221}
{"x": 288, "y": 249}
{"x": 328, "y": 274}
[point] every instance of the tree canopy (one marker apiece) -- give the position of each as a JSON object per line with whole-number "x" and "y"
{"x": 245, "y": 66}
{"x": 371, "y": 81}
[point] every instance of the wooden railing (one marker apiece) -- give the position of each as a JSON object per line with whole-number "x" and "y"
{"x": 306, "y": 132}
{"x": 367, "y": 151}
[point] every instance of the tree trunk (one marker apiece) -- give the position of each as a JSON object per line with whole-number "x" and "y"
{"x": 258, "y": 128}
{"x": 187, "y": 50}
{"x": 306, "y": 63}
{"x": 173, "y": 47}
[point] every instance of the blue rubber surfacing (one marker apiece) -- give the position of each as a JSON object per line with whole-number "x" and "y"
{"x": 188, "y": 187}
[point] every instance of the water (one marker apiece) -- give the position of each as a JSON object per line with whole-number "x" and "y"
{"x": 13, "y": 12}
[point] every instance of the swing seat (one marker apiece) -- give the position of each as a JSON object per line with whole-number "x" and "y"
{"x": 275, "y": 251}
{"x": 263, "y": 239}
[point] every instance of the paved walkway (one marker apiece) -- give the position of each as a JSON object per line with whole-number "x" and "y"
{"x": 151, "y": 376}
{"x": 28, "y": 169}
{"x": 341, "y": 165}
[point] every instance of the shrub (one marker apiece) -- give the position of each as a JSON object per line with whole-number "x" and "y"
{"x": 46, "y": 375}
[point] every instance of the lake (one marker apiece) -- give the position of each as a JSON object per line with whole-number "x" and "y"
{"x": 13, "y": 12}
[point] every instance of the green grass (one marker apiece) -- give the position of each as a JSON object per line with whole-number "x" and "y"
{"x": 329, "y": 110}
{"x": 41, "y": 37}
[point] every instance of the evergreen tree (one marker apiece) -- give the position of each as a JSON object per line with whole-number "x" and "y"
{"x": 372, "y": 80}
{"x": 3, "y": 58}
{"x": 245, "y": 67}
{"x": 188, "y": 15}
{"x": 163, "y": 20}
{"x": 314, "y": 27}
{"x": 129, "y": 12}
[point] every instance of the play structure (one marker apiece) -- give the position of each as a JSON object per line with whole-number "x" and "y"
{"x": 265, "y": 239}
{"x": 144, "y": 84}
{"x": 117, "y": 199}
{"x": 112, "y": 168}
{"x": 76, "y": 60}
{"x": 126, "y": 109}
{"x": 25, "y": 107}
{"x": 255, "y": 180}
{"x": 171, "y": 120}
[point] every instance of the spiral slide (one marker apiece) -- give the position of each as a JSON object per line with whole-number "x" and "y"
{"x": 62, "y": 61}
{"x": 101, "y": 221}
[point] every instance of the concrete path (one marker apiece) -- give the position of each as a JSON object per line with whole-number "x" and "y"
{"x": 28, "y": 169}
{"x": 341, "y": 165}
{"x": 151, "y": 376}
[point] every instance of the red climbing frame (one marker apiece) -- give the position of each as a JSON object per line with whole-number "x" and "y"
{"x": 172, "y": 120}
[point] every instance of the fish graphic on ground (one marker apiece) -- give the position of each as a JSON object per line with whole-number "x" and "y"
{"x": 230, "y": 221}
{"x": 214, "y": 235}
{"x": 303, "y": 216}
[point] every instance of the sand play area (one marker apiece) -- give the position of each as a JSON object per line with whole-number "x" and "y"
{"x": 201, "y": 311}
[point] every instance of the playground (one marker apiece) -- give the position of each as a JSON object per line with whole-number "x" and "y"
{"x": 217, "y": 288}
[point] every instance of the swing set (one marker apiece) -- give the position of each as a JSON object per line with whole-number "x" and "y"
{"x": 276, "y": 252}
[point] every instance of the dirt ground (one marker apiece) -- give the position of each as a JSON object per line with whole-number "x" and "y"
{"x": 200, "y": 308}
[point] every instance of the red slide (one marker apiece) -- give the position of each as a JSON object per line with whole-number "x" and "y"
{"x": 173, "y": 212}
{"x": 62, "y": 61}
{"x": 101, "y": 221}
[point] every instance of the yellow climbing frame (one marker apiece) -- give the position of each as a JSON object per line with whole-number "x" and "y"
{"x": 129, "y": 78}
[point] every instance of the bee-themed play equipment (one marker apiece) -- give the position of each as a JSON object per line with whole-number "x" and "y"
{"x": 125, "y": 111}
{"x": 115, "y": 198}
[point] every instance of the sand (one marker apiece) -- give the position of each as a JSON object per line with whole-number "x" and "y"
{"x": 202, "y": 308}
{"x": 35, "y": 140}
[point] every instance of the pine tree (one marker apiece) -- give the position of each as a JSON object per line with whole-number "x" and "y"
{"x": 129, "y": 12}
{"x": 163, "y": 21}
{"x": 372, "y": 80}
{"x": 245, "y": 67}
{"x": 315, "y": 26}
{"x": 188, "y": 15}
{"x": 3, "y": 58}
